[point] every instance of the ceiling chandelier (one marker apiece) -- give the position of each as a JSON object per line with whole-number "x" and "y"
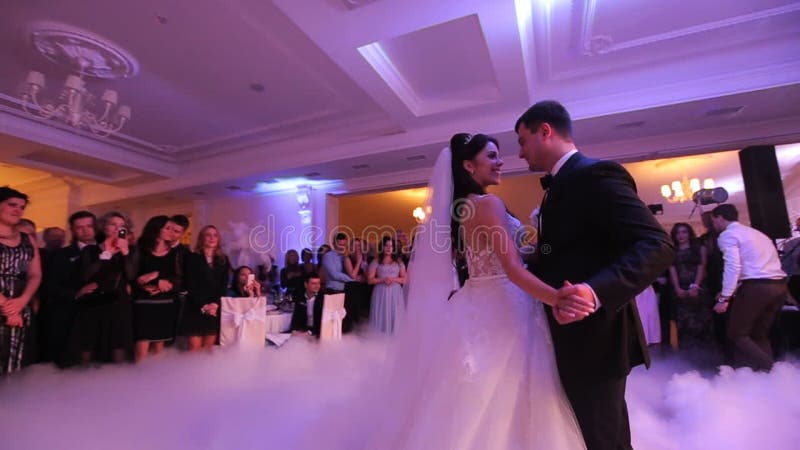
{"x": 683, "y": 190}
{"x": 86, "y": 55}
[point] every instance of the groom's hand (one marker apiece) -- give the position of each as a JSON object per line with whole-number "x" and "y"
{"x": 575, "y": 302}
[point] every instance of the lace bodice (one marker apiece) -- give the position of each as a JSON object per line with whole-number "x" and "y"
{"x": 482, "y": 260}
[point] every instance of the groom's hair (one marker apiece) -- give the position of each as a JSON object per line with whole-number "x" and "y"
{"x": 549, "y": 111}
{"x": 726, "y": 211}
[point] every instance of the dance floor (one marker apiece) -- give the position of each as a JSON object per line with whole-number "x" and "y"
{"x": 267, "y": 398}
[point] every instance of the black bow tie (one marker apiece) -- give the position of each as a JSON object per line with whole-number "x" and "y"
{"x": 546, "y": 181}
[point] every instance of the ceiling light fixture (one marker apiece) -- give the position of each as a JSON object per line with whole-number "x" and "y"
{"x": 86, "y": 55}
{"x": 682, "y": 191}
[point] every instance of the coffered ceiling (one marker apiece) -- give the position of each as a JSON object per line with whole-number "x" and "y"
{"x": 239, "y": 92}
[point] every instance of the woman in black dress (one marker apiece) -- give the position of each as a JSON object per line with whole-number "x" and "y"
{"x": 307, "y": 258}
{"x": 292, "y": 273}
{"x": 102, "y": 328}
{"x": 20, "y": 275}
{"x": 207, "y": 271}
{"x": 693, "y": 305}
{"x": 159, "y": 272}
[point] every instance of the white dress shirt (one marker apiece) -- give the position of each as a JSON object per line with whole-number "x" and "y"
{"x": 310, "y": 309}
{"x": 563, "y": 160}
{"x": 749, "y": 254}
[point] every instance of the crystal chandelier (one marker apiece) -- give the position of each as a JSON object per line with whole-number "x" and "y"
{"x": 85, "y": 55}
{"x": 682, "y": 191}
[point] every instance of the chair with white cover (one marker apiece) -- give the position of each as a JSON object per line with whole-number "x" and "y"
{"x": 333, "y": 313}
{"x": 243, "y": 321}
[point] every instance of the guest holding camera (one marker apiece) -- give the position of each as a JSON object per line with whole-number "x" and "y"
{"x": 207, "y": 272}
{"x": 159, "y": 274}
{"x": 102, "y": 327}
{"x": 244, "y": 283}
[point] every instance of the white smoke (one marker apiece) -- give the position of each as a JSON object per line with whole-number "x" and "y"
{"x": 272, "y": 398}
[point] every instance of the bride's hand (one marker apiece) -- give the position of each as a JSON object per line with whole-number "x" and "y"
{"x": 564, "y": 318}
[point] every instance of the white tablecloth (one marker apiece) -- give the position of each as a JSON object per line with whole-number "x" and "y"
{"x": 279, "y": 323}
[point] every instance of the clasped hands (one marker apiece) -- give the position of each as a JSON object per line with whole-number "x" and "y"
{"x": 11, "y": 308}
{"x": 573, "y": 303}
{"x": 153, "y": 289}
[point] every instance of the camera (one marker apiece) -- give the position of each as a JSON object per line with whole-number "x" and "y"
{"x": 251, "y": 279}
{"x": 122, "y": 233}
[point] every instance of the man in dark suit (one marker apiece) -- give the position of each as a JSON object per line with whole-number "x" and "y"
{"x": 598, "y": 238}
{"x": 307, "y": 314}
{"x": 62, "y": 282}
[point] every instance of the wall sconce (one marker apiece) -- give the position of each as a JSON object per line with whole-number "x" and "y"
{"x": 421, "y": 213}
{"x": 303, "y": 202}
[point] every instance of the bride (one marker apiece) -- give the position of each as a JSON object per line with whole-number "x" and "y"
{"x": 476, "y": 371}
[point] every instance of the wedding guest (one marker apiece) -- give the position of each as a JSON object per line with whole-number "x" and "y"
{"x": 292, "y": 273}
{"x": 54, "y": 238}
{"x": 713, "y": 283}
{"x": 693, "y": 306}
{"x": 159, "y": 275}
{"x": 27, "y": 226}
{"x": 321, "y": 251}
{"x": 307, "y": 315}
{"x": 206, "y": 276}
{"x": 244, "y": 283}
{"x": 20, "y": 276}
{"x": 388, "y": 274}
{"x": 358, "y": 292}
{"x": 62, "y": 283}
{"x": 403, "y": 246}
{"x": 752, "y": 260}
{"x": 355, "y": 263}
{"x": 103, "y": 318}
{"x": 307, "y": 256}
{"x": 267, "y": 275}
{"x": 333, "y": 264}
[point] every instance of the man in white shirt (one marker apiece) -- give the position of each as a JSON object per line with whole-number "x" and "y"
{"x": 752, "y": 264}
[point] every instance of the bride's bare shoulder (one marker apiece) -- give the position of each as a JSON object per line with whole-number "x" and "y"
{"x": 488, "y": 208}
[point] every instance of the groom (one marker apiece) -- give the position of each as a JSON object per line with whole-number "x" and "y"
{"x": 595, "y": 233}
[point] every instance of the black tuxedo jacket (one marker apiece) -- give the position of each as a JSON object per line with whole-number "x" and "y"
{"x": 63, "y": 277}
{"x": 596, "y": 230}
{"x": 300, "y": 314}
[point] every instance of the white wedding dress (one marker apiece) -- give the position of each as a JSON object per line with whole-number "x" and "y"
{"x": 490, "y": 381}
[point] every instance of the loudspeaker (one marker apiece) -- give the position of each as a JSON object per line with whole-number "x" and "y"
{"x": 764, "y": 190}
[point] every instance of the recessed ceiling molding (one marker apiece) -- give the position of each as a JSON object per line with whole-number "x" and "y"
{"x": 54, "y": 137}
{"x": 34, "y": 163}
{"x": 757, "y": 78}
{"x": 541, "y": 36}
{"x": 353, "y": 4}
{"x": 377, "y": 58}
{"x": 13, "y": 106}
{"x": 587, "y": 24}
{"x": 459, "y": 73}
{"x": 587, "y": 37}
{"x": 524, "y": 11}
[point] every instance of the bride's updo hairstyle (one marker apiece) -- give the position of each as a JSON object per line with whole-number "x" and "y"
{"x": 464, "y": 147}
